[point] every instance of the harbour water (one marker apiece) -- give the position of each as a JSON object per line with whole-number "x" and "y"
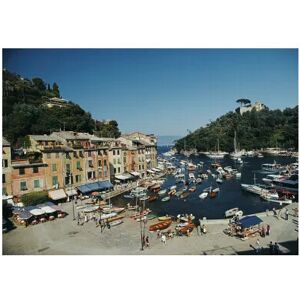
{"x": 230, "y": 195}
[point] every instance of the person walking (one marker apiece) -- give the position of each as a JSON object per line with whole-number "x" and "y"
{"x": 271, "y": 248}
{"x": 263, "y": 234}
{"x": 257, "y": 246}
{"x": 287, "y": 214}
{"x": 147, "y": 242}
{"x": 268, "y": 229}
{"x": 164, "y": 239}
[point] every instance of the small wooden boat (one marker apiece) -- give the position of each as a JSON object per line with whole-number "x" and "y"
{"x": 212, "y": 194}
{"x": 165, "y": 199}
{"x": 172, "y": 193}
{"x": 160, "y": 225}
{"x": 151, "y": 216}
{"x": 115, "y": 223}
{"x": 189, "y": 228}
{"x": 198, "y": 180}
{"x": 192, "y": 189}
{"x": 231, "y": 212}
{"x": 164, "y": 218}
{"x": 128, "y": 196}
{"x": 152, "y": 198}
{"x": 184, "y": 195}
{"x": 114, "y": 218}
{"x": 173, "y": 187}
{"x": 179, "y": 193}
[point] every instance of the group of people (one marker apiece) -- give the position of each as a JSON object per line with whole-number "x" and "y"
{"x": 265, "y": 230}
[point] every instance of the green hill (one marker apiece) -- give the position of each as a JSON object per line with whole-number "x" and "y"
{"x": 25, "y": 111}
{"x": 255, "y": 130}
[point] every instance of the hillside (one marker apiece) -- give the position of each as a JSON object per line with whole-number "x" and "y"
{"x": 255, "y": 130}
{"x": 26, "y": 110}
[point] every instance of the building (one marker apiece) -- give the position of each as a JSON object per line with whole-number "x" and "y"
{"x": 258, "y": 106}
{"x": 28, "y": 177}
{"x": 57, "y": 102}
{"x": 6, "y": 168}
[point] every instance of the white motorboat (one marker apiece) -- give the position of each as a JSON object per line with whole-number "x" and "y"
{"x": 272, "y": 167}
{"x": 219, "y": 180}
{"x": 203, "y": 195}
{"x": 233, "y": 212}
{"x": 238, "y": 175}
{"x": 162, "y": 192}
{"x": 116, "y": 222}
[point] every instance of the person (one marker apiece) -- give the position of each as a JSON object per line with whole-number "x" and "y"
{"x": 287, "y": 214}
{"x": 78, "y": 218}
{"x": 263, "y": 234}
{"x": 158, "y": 233}
{"x": 268, "y": 229}
{"x": 204, "y": 229}
{"x": 147, "y": 242}
{"x": 274, "y": 212}
{"x": 271, "y": 248}
{"x": 163, "y": 239}
{"x": 257, "y": 246}
{"x": 276, "y": 248}
{"x": 85, "y": 218}
{"x": 107, "y": 224}
{"x": 188, "y": 233}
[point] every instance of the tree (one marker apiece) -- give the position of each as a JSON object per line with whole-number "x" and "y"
{"x": 48, "y": 87}
{"x": 243, "y": 101}
{"x": 39, "y": 83}
{"x": 55, "y": 90}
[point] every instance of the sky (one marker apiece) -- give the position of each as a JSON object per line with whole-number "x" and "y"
{"x": 163, "y": 91}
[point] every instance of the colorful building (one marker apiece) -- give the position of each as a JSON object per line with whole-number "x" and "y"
{"x": 6, "y": 168}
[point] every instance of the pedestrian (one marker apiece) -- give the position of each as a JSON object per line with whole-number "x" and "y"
{"x": 163, "y": 239}
{"x": 268, "y": 229}
{"x": 286, "y": 214}
{"x": 263, "y": 234}
{"x": 274, "y": 212}
{"x": 78, "y": 218}
{"x": 158, "y": 233}
{"x": 257, "y": 246}
{"x": 188, "y": 233}
{"x": 271, "y": 248}
{"x": 147, "y": 242}
{"x": 107, "y": 224}
{"x": 85, "y": 218}
{"x": 198, "y": 230}
{"x": 276, "y": 249}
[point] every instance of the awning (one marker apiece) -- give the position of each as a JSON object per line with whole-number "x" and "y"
{"x": 25, "y": 215}
{"x": 57, "y": 194}
{"x": 150, "y": 171}
{"x": 95, "y": 186}
{"x": 135, "y": 173}
{"x": 249, "y": 221}
{"x": 124, "y": 176}
{"x": 54, "y": 206}
{"x": 71, "y": 193}
{"x": 37, "y": 212}
{"x": 46, "y": 208}
{"x": 156, "y": 170}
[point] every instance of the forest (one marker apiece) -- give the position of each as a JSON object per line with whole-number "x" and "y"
{"x": 25, "y": 111}
{"x": 254, "y": 130}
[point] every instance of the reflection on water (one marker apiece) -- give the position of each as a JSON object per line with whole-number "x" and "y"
{"x": 231, "y": 195}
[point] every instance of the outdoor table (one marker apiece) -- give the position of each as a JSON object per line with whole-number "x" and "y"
{"x": 43, "y": 220}
{"x": 34, "y": 222}
{"x": 51, "y": 218}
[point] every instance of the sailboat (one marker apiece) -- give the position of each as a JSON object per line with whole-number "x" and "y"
{"x": 216, "y": 154}
{"x": 236, "y": 154}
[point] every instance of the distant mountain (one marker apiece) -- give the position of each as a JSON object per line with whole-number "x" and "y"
{"x": 166, "y": 140}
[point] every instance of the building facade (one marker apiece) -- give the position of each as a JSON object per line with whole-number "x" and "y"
{"x": 6, "y": 168}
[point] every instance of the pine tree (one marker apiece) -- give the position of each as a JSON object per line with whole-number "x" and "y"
{"x": 55, "y": 90}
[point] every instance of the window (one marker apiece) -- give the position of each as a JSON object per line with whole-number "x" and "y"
{"x": 35, "y": 169}
{"x": 90, "y": 164}
{"x": 99, "y": 163}
{"x": 4, "y": 163}
{"x": 139, "y": 167}
{"x": 54, "y": 180}
{"x": 114, "y": 152}
{"x": 99, "y": 152}
{"x": 36, "y": 183}
{"x": 4, "y": 191}
{"x": 118, "y": 152}
{"x": 78, "y": 165}
{"x": 115, "y": 170}
{"x": 115, "y": 161}
{"x": 89, "y": 153}
{"x": 57, "y": 155}
{"x": 48, "y": 155}
{"x": 91, "y": 175}
{"x": 119, "y": 161}
{"x": 105, "y": 162}
{"x": 105, "y": 173}
{"x": 68, "y": 168}
{"x": 21, "y": 171}
{"x": 23, "y": 185}
{"x": 54, "y": 169}
{"x": 119, "y": 170}
{"x": 78, "y": 178}
{"x": 3, "y": 178}
{"x": 124, "y": 160}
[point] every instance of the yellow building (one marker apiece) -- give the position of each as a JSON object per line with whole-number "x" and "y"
{"x": 6, "y": 168}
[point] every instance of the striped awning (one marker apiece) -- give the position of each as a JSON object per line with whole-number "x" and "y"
{"x": 57, "y": 194}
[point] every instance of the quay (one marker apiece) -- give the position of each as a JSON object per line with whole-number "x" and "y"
{"x": 64, "y": 236}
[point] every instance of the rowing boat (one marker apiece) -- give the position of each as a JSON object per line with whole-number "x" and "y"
{"x": 164, "y": 218}
{"x": 184, "y": 195}
{"x": 165, "y": 199}
{"x": 160, "y": 225}
{"x": 189, "y": 227}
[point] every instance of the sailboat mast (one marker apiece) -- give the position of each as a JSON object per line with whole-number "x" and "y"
{"x": 234, "y": 142}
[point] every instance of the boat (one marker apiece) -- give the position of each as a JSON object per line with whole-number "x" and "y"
{"x": 282, "y": 200}
{"x": 128, "y": 196}
{"x": 198, "y": 180}
{"x": 114, "y": 218}
{"x": 151, "y": 216}
{"x": 238, "y": 175}
{"x": 145, "y": 198}
{"x": 191, "y": 167}
{"x": 219, "y": 180}
{"x": 179, "y": 193}
{"x": 162, "y": 192}
{"x": 160, "y": 226}
{"x": 270, "y": 177}
{"x": 236, "y": 154}
{"x": 172, "y": 193}
{"x": 259, "y": 155}
{"x": 187, "y": 228}
{"x": 173, "y": 187}
{"x": 216, "y": 154}
{"x": 192, "y": 189}
{"x": 115, "y": 223}
{"x": 129, "y": 207}
{"x": 152, "y": 198}
{"x": 233, "y": 212}
{"x": 290, "y": 184}
{"x": 186, "y": 218}
{"x": 184, "y": 195}
{"x": 203, "y": 195}
{"x": 272, "y": 167}
{"x": 239, "y": 161}
{"x": 164, "y": 218}
{"x": 107, "y": 216}
{"x": 216, "y": 190}
{"x": 165, "y": 199}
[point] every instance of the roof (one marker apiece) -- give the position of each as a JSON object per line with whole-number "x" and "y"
{"x": 44, "y": 137}
{"x": 57, "y": 194}
{"x": 71, "y": 135}
{"x": 95, "y": 186}
{"x": 5, "y": 142}
{"x": 249, "y": 221}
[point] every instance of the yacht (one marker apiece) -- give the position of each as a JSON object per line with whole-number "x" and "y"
{"x": 236, "y": 154}
{"x": 216, "y": 154}
{"x": 271, "y": 167}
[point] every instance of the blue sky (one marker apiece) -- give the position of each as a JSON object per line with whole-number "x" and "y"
{"x": 163, "y": 91}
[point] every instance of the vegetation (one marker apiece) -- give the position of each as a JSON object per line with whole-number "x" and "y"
{"x": 25, "y": 111}
{"x": 35, "y": 198}
{"x": 255, "y": 130}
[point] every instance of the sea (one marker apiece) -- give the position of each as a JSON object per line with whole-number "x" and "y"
{"x": 231, "y": 194}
